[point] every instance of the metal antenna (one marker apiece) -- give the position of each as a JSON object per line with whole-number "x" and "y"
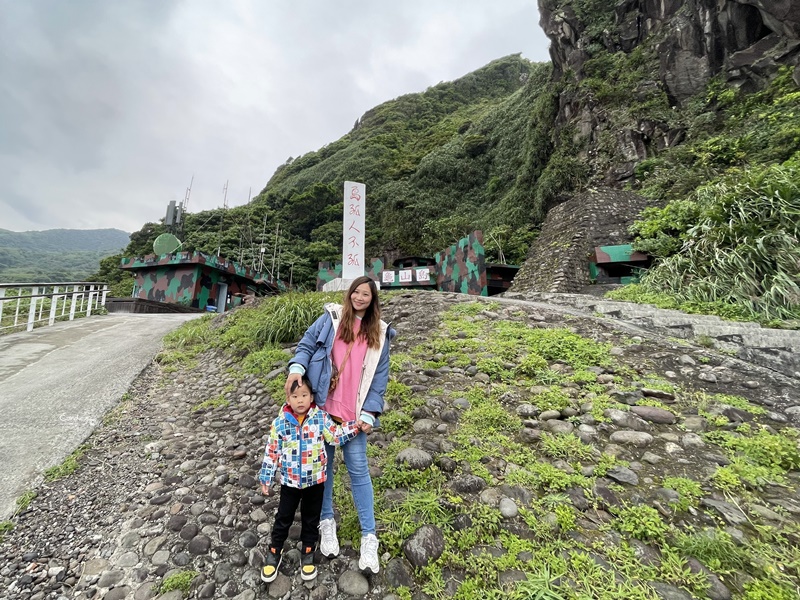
{"x": 275, "y": 250}
{"x": 222, "y": 217}
{"x": 187, "y": 194}
{"x": 262, "y": 248}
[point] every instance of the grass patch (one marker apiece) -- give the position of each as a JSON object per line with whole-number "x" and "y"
{"x": 776, "y": 451}
{"x": 218, "y": 402}
{"x": 178, "y": 581}
{"x": 554, "y": 344}
{"x": 24, "y": 501}
{"x": 689, "y": 491}
{"x": 5, "y": 527}
{"x": 641, "y": 522}
{"x": 67, "y": 467}
{"x": 569, "y": 447}
{"x": 261, "y": 362}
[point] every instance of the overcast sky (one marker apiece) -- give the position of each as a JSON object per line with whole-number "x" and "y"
{"x": 108, "y": 108}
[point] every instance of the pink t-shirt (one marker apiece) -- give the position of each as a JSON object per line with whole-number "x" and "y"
{"x": 342, "y": 402}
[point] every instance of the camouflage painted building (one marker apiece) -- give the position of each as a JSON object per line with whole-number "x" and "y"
{"x": 195, "y": 279}
{"x": 460, "y": 268}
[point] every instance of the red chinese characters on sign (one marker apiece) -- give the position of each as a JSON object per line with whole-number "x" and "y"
{"x": 353, "y": 230}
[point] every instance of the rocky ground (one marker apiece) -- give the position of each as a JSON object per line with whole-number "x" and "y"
{"x": 166, "y": 485}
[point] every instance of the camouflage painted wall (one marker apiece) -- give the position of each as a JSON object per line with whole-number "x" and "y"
{"x": 328, "y": 272}
{"x": 200, "y": 258}
{"x": 168, "y": 283}
{"x": 190, "y": 285}
{"x": 462, "y": 267}
{"x": 190, "y": 278}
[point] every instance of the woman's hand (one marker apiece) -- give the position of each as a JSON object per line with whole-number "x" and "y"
{"x": 364, "y": 426}
{"x": 290, "y": 380}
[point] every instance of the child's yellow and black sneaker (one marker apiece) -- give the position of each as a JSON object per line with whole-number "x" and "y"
{"x": 270, "y": 570}
{"x": 308, "y": 570}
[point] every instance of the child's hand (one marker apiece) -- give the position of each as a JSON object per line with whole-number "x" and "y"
{"x": 293, "y": 377}
{"x": 364, "y": 426}
{"x": 265, "y": 489}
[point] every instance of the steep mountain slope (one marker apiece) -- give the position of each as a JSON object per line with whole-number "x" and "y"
{"x": 657, "y": 97}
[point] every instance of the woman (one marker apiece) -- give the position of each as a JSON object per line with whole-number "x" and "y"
{"x": 345, "y": 355}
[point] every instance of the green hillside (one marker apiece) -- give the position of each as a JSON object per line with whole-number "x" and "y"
{"x": 461, "y": 155}
{"x": 56, "y": 254}
{"x": 495, "y": 149}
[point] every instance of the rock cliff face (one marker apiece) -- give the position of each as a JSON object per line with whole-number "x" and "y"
{"x": 628, "y": 73}
{"x": 745, "y": 40}
{"x": 742, "y": 41}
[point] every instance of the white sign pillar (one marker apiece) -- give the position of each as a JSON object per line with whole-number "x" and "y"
{"x": 355, "y": 196}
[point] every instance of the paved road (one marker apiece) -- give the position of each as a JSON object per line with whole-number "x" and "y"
{"x": 56, "y": 383}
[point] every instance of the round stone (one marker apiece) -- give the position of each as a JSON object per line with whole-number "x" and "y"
{"x": 199, "y": 545}
{"x": 415, "y": 458}
{"x": 508, "y": 508}
{"x": 632, "y": 438}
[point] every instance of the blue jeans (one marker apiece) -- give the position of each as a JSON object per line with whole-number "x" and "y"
{"x": 355, "y": 458}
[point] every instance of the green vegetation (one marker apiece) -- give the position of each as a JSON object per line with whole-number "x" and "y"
{"x": 641, "y": 522}
{"x": 67, "y": 467}
{"x": 739, "y": 254}
{"x": 726, "y": 239}
{"x": 471, "y": 153}
{"x": 689, "y": 492}
{"x": 218, "y": 402}
{"x": 5, "y": 527}
{"x": 178, "y": 581}
{"x": 55, "y": 254}
{"x": 24, "y": 501}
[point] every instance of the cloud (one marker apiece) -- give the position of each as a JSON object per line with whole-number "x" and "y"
{"x": 107, "y": 109}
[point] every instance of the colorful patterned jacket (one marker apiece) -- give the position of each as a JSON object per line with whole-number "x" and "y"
{"x": 300, "y": 449}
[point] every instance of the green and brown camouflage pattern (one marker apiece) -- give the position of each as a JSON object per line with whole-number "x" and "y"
{"x": 617, "y": 264}
{"x": 616, "y": 254}
{"x": 408, "y": 277}
{"x": 462, "y": 267}
{"x": 193, "y": 278}
{"x": 328, "y": 272}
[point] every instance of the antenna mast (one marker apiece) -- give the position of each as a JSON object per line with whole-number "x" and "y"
{"x": 187, "y": 194}
{"x": 262, "y": 248}
{"x": 275, "y": 249}
{"x": 222, "y": 217}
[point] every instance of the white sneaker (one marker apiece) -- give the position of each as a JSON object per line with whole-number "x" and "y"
{"x": 328, "y": 542}
{"x": 369, "y": 554}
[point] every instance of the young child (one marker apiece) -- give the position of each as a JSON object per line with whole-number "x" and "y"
{"x": 296, "y": 446}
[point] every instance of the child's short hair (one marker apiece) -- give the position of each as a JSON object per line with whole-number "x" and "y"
{"x": 304, "y": 380}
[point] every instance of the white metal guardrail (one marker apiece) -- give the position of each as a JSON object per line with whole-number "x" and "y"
{"x": 30, "y": 304}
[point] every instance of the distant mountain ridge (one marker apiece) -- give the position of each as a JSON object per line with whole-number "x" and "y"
{"x": 65, "y": 240}
{"x": 56, "y": 254}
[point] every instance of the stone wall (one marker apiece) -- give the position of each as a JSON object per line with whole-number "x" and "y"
{"x": 558, "y": 260}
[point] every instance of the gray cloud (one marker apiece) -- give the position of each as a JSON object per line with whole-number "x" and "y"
{"x": 107, "y": 109}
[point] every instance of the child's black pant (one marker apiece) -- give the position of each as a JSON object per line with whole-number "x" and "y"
{"x": 310, "y": 501}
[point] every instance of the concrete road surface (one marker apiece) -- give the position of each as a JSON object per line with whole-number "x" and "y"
{"x": 56, "y": 383}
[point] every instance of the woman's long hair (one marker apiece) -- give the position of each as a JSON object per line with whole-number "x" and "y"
{"x": 371, "y": 321}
